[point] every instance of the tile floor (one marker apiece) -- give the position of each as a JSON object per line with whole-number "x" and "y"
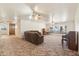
{"x": 13, "y": 46}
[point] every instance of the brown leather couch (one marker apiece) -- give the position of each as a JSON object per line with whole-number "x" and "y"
{"x": 34, "y": 37}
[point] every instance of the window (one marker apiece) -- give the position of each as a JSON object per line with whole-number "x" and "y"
{"x": 3, "y": 26}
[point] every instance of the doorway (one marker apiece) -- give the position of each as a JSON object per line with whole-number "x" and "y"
{"x": 11, "y": 29}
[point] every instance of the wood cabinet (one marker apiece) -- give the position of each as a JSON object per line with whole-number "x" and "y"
{"x": 73, "y": 40}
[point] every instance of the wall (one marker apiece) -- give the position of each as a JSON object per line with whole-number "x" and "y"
{"x": 27, "y": 25}
{"x": 77, "y": 19}
{"x": 77, "y": 23}
{"x": 69, "y": 24}
{"x": 17, "y": 28}
{"x": 64, "y": 20}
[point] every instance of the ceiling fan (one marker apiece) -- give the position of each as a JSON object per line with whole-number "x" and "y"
{"x": 36, "y": 13}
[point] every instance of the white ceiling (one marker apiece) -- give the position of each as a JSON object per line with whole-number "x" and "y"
{"x": 53, "y": 7}
{"x": 14, "y": 9}
{"x": 59, "y": 11}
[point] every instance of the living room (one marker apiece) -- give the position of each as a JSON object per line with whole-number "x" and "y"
{"x": 19, "y": 21}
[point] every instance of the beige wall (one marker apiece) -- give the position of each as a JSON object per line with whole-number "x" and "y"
{"x": 77, "y": 23}
{"x": 77, "y": 19}
{"x": 31, "y": 25}
{"x": 25, "y": 24}
{"x": 17, "y": 28}
{"x": 69, "y": 23}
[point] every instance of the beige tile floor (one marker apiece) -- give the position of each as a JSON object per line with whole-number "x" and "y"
{"x": 13, "y": 46}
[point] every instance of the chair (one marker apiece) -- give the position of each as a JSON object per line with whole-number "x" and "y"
{"x": 64, "y": 38}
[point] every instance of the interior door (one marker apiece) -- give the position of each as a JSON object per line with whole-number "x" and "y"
{"x": 11, "y": 29}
